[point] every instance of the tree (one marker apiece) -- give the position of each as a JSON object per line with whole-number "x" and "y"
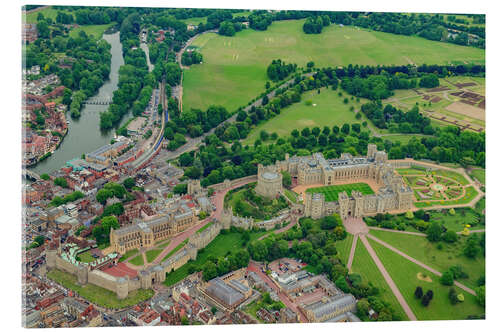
{"x": 209, "y": 270}
{"x": 481, "y": 295}
{"x": 472, "y": 248}
{"x": 434, "y": 232}
{"x": 60, "y": 181}
{"x": 450, "y": 236}
{"x": 447, "y": 278}
{"x": 45, "y": 176}
{"x": 419, "y": 292}
{"x": 213, "y": 309}
{"x": 426, "y": 299}
{"x": 452, "y": 295}
{"x": 409, "y": 215}
{"x": 330, "y": 222}
{"x": 129, "y": 183}
{"x": 180, "y": 189}
{"x": 103, "y": 195}
{"x": 287, "y": 178}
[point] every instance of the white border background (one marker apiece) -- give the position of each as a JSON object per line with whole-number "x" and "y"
{"x": 10, "y": 164}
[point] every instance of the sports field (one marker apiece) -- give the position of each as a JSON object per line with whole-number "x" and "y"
{"x": 96, "y": 30}
{"x": 332, "y": 192}
{"x": 234, "y": 68}
{"x": 327, "y": 109}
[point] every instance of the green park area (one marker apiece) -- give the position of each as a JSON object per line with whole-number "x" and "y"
{"x": 99, "y": 296}
{"x": 245, "y": 202}
{"x": 324, "y": 109}
{"x": 152, "y": 254}
{"x": 364, "y": 266}
{"x": 223, "y": 244}
{"x": 47, "y": 12}
{"x": 408, "y": 276}
{"x": 96, "y": 30}
{"x": 438, "y": 255}
{"x": 137, "y": 260}
{"x": 343, "y": 247}
{"x": 85, "y": 257}
{"x": 332, "y": 192}
{"x": 292, "y": 196}
{"x": 128, "y": 254}
{"x": 234, "y": 68}
{"x": 479, "y": 174}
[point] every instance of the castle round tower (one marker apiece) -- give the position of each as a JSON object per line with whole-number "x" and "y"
{"x": 269, "y": 181}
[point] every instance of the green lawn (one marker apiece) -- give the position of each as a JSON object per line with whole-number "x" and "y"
{"x": 163, "y": 244}
{"x": 98, "y": 295}
{"x": 48, "y": 12}
{"x": 458, "y": 221}
{"x": 364, "y": 266}
{"x": 128, "y": 254}
{"x": 152, "y": 254}
{"x": 204, "y": 227}
{"x": 404, "y": 138}
{"x": 423, "y": 250}
{"x": 138, "y": 260}
{"x": 95, "y": 30}
{"x": 404, "y": 273}
{"x": 344, "y": 248}
{"x": 177, "y": 248}
{"x": 410, "y": 171}
{"x": 329, "y": 110}
{"x": 234, "y": 68}
{"x": 220, "y": 246}
{"x": 291, "y": 195}
{"x": 86, "y": 257}
{"x": 332, "y": 192}
{"x": 479, "y": 174}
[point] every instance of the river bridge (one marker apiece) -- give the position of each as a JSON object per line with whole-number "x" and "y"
{"x": 29, "y": 174}
{"x": 98, "y": 101}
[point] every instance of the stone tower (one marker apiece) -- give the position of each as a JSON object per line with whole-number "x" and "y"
{"x": 193, "y": 187}
{"x": 314, "y": 205}
{"x": 51, "y": 255}
{"x": 122, "y": 287}
{"x": 82, "y": 274}
{"x": 226, "y": 217}
{"x": 358, "y": 203}
{"x": 372, "y": 149}
{"x": 343, "y": 205}
{"x": 269, "y": 181}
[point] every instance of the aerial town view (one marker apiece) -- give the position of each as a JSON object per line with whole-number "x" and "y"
{"x": 187, "y": 166}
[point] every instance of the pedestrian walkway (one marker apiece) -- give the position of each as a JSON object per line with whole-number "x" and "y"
{"x": 419, "y": 263}
{"x": 388, "y": 279}
{"x": 399, "y": 231}
{"x": 351, "y": 254}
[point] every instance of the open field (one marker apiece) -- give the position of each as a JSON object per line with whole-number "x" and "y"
{"x": 234, "y": 68}
{"x": 291, "y": 195}
{"x": 137, "y": 260}
{"x": 461, "y": 99}
{"x": 128, "y": 254}
{"x": 48, "y": 12}
{"x": 220, "y": 246}
{"x": 363, "y": 265}
{"x": 427, "y": 252}
{"x": 479, "y": 174}
{"x": 332, "y": 192}
{"x": 458, "y": 221}
{"x": 152, "y": 254}
{"x": 95, "y": 30}
{"x": 98, "y": 295}
{"x": 329, "y": 110}
{"x": 344, "y": 248}
{"x": 86, "y": 256}
{"x": 406, "y": 276}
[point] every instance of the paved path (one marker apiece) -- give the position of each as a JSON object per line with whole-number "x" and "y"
{"x": 388, "y": 279}
{"x": 473, "y": 231}
{"x": 419, "y": 263}
{"x": 351, "y": 254}
{"x": 399, "y": 231}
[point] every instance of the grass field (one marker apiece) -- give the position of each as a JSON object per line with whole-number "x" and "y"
{"x": 344, "y": 248}
{"x": 404, "y": 138}
{"x": 177, "y": 248}
{"x": 364, "y": 266}
{"x": 152, "y": 254}
{"x": 423, "y": 250}
{"x": 128, "y": 254}
{"x": 220, "y": 246}
{"x": 291, "y": 195}
{"x": 479, "y": 174}
{"x": 332, "y": 192}
{"x": 329, "y": 110}
{"x": 458, "y": 221}
{"x": 86, "y": 256}
{"x": 234, "y": 68}
{"x": 138, "y": 260}
{"x": 48, "y": 12}
{"x": 204, "y": 227}
{"x": 98, "y": 295}
{"x": 404, "y": 273}
{"x": 95, "y": 30}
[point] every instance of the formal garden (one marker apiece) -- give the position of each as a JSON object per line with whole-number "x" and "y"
{"x": 438, "y": 187}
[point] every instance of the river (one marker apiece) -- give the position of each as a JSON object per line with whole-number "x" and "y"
{"x": 84, "y": 134}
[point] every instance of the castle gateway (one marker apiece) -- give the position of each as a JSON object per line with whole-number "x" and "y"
{"x": 393, "y": 194}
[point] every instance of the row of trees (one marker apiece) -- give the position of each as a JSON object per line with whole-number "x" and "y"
{"x": 191, "y": 58}
{"x": 314, "y": 25}
{"x": 278, "y": 70}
